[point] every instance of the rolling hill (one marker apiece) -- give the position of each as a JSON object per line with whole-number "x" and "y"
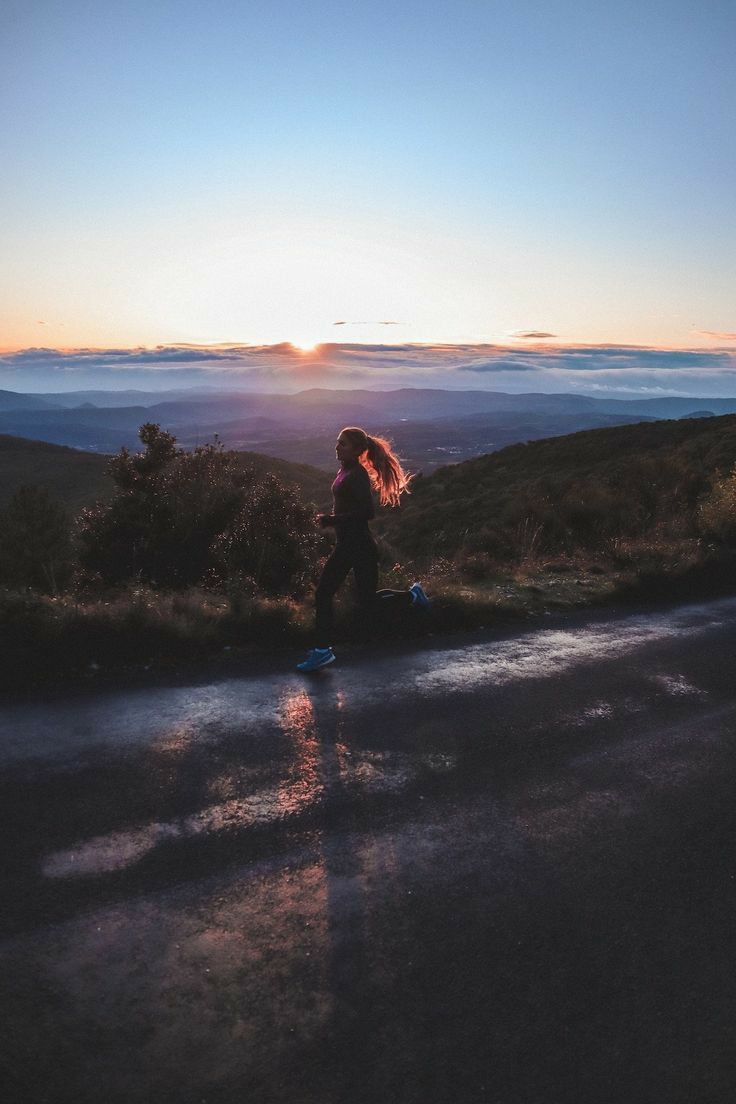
{"x": 75, "y": 478}
{"x": 78, "y": 479}
{"x": 15, "y": 400}
{"x": 587, "y": 489}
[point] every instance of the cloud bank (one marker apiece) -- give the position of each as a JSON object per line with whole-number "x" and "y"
{"x": 627, "y": 369}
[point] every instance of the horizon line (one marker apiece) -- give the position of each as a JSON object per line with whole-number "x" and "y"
{"x": 304, "y": 352}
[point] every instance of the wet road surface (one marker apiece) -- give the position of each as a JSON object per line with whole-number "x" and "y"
{"x": 501, "y": 871}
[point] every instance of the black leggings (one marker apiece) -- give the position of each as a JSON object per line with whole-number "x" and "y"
{"x": 360, "y": 557}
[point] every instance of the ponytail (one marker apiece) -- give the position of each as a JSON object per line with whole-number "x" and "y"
{"x": 382, "y": 464}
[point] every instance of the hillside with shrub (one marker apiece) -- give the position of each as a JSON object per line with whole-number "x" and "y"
{"x": 76, "y": 479}
{"x": 615, "y": 494}
{"x": 190, "y": 551}
{"x": 179, "y": 519}
{"x": 196, "y": 554}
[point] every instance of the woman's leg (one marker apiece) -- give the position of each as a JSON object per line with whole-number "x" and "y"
{"x": 334, "y": 573}
{"x": 365, "y": 569}
{"x": 372, "y": 602}
{"x": 365, "y": 560}
{"x": 395, "y": 597}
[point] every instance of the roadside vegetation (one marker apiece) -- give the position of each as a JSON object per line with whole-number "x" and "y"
{"x": 201, "y": 554}
{"x": 645, "y": 508}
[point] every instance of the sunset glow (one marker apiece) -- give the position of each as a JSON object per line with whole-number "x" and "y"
{"x": 393, "y": 192}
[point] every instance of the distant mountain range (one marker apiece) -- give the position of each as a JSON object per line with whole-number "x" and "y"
{"x": 429, "y": 427}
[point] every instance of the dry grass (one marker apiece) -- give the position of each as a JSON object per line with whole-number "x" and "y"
{"x": 71, "y": 637}
{"x": 59, "y": 638}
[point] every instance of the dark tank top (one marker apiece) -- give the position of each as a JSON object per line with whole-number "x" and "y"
{"x": 353, "y": 503}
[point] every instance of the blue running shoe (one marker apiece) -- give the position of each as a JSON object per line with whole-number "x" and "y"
{"x": 316, "y": 658}
{"x": 419, "y": 598}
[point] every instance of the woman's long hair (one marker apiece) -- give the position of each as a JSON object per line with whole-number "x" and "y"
{"x": 382, "y": 464}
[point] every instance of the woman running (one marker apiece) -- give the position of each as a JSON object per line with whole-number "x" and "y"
{"x": 365, "y": 462}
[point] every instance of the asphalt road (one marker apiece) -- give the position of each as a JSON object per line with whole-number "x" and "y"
{"x": 500, "y": 870}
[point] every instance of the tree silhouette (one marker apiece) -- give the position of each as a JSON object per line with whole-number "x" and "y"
{"x": 180, "y": 518}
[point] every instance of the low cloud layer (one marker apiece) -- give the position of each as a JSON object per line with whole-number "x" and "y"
{"x": 542, "y": 367}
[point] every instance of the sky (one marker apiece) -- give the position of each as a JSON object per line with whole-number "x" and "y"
{"x": 355, "y": 194}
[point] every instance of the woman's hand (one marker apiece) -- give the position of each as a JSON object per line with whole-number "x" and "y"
{"x": 325, "y": 520}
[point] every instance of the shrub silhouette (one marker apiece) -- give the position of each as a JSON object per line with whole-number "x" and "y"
{"x": 35, "y": 541}
{"x": 180, "y": 518}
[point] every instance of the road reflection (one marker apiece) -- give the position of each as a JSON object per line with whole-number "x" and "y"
{"x": 316, "y": 771}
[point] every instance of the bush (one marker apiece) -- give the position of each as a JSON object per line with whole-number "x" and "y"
{"x": 35, "y": 541}
{"x": 180, "y": 518}
{"x": 271, "y": 540}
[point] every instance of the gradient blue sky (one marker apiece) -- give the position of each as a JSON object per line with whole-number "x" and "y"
{"x": 254, "y": 173}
